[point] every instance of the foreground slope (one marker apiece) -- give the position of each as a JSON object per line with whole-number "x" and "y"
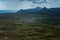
{"x": 25, "y": 25}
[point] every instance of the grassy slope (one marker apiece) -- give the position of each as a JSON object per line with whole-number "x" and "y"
{"x": 16, "y": 27}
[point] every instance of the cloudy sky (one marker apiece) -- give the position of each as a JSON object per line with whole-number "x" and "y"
{"x": 25, "y": 4}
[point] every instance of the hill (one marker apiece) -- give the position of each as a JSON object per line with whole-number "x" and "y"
{"x": 6, "y": 11}
{"x": 31, "y": 24}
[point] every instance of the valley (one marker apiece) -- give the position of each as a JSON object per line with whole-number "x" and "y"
{"x": 26, "y": 25}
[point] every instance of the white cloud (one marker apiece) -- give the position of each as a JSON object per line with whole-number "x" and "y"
{"x": 2, "y": 5}
{"x": 25, "y": 4}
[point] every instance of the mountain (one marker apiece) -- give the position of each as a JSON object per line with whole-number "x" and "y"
{"x": 30, "y": 24}
{"x": 6, "y": 11}
{"x": 34, "y": 15}
{"x": 52, "y": 11}
{"x": 37, "y": 9}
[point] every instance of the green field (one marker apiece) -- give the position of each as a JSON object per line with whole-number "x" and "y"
{"x": 29, "y": 27}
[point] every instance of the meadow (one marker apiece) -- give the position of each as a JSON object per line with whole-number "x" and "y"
{"x": 29, "y": 26}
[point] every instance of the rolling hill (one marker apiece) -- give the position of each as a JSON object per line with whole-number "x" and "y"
{"x": 31, "y": 24}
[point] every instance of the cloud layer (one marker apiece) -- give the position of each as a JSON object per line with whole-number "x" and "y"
{"x": 25, "y": 4}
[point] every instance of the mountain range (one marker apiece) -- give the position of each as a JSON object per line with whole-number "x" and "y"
{"x": 30, "y": 24}
{"x": 34, "y": 15}
{"x": 6, "y": 11}
{"x": 43, "y": 10}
